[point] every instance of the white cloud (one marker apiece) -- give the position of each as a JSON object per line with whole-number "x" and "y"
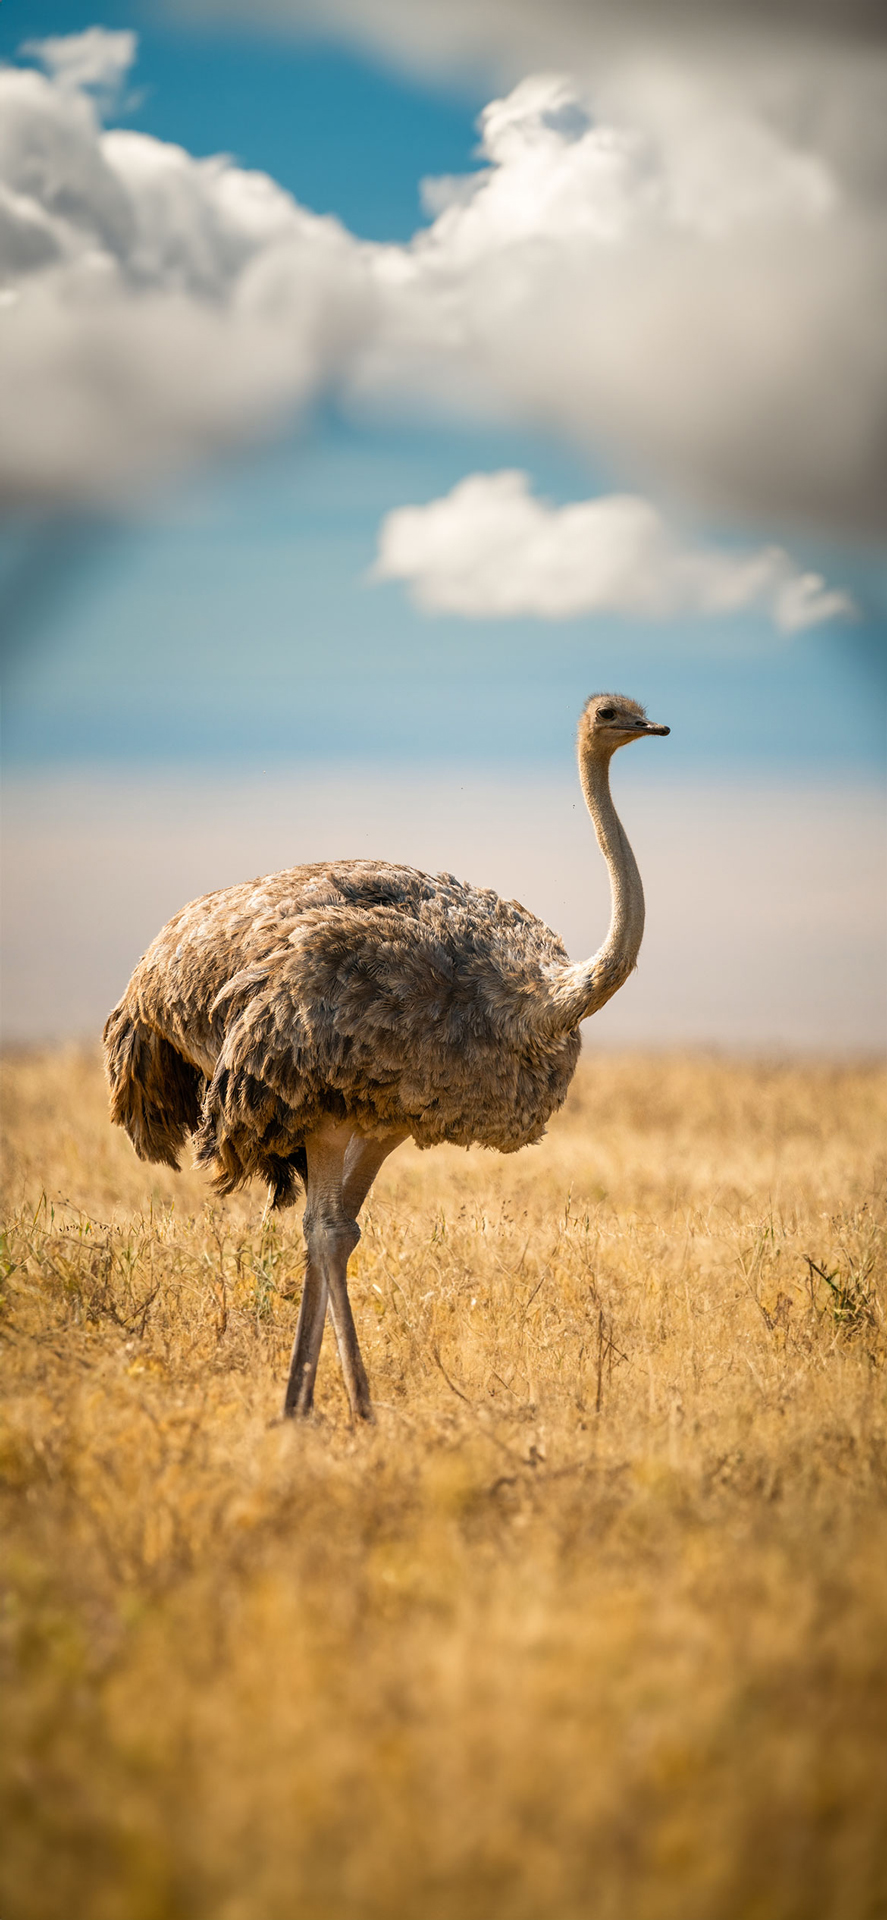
{"x": 98, "y": 58}
{"x": 686, "y": 283}
{"x": 682, "y": 264}
{"x": 489, "y": 549}
{"x": 153, "y": 307}
{"x": 723, "y": 333}
{"x": 506, "y": 37}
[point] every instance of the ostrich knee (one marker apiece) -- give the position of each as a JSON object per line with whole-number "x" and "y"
{"x": 333, "y": 1239}
{"x": 325, "y": 1228}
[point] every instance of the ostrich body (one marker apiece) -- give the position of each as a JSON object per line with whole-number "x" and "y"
{"x": 303, "y": 1025}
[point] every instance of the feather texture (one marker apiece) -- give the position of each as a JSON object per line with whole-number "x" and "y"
{"x": 360, "y": 989}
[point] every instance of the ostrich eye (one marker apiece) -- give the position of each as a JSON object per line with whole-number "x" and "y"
{"x": 606, "y": 713}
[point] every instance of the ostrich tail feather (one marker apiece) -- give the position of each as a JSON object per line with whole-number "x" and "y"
{"x": 155, "y": 1093}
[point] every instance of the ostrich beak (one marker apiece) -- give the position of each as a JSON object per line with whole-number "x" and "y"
{"x": 651, "y": 728}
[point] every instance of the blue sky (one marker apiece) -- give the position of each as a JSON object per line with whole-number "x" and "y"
{"x": 224, "y": 624}
{"x": 238, "y": 623}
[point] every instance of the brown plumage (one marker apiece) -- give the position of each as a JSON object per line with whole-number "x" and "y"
{"x": 302, "y": 1025}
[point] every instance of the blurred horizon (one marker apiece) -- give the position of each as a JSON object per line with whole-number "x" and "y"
{"x": 750, "y": 889}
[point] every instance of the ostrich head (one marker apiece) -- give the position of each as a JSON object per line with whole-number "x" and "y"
{"x": 611, "y": 720}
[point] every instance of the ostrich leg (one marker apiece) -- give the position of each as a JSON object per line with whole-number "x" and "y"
{"x": 299, "y": 1396}
{"x": 341, "y": 1169}
{"x": 322, "y": 1224}
{"x": 363, "y": 1159}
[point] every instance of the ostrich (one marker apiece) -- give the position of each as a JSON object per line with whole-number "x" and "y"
{"x": 303, "y": 1025}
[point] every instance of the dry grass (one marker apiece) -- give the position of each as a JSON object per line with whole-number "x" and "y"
{"x": 591, "y": 1624}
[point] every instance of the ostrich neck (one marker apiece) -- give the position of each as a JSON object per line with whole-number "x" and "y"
{"x": 583, "y": 988}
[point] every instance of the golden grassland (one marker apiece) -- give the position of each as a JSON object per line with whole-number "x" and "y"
{"x": 593, "y": 1622}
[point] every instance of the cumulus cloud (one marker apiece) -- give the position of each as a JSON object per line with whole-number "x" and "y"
{"x": 731, "y": 343}
{"x": 685, "y": 283}
{"x": 490, "y": 550}
{"x": 97, "y": 58}
{"x": 153, "y": 307}
{"x": 506, "y": 37}
{"x": 681, "y": 263}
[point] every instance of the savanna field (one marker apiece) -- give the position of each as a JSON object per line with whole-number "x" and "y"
{"x": 592, "y": 1625}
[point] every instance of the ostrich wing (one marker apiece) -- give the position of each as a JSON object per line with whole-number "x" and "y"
{"x": 390, "y": 1017}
